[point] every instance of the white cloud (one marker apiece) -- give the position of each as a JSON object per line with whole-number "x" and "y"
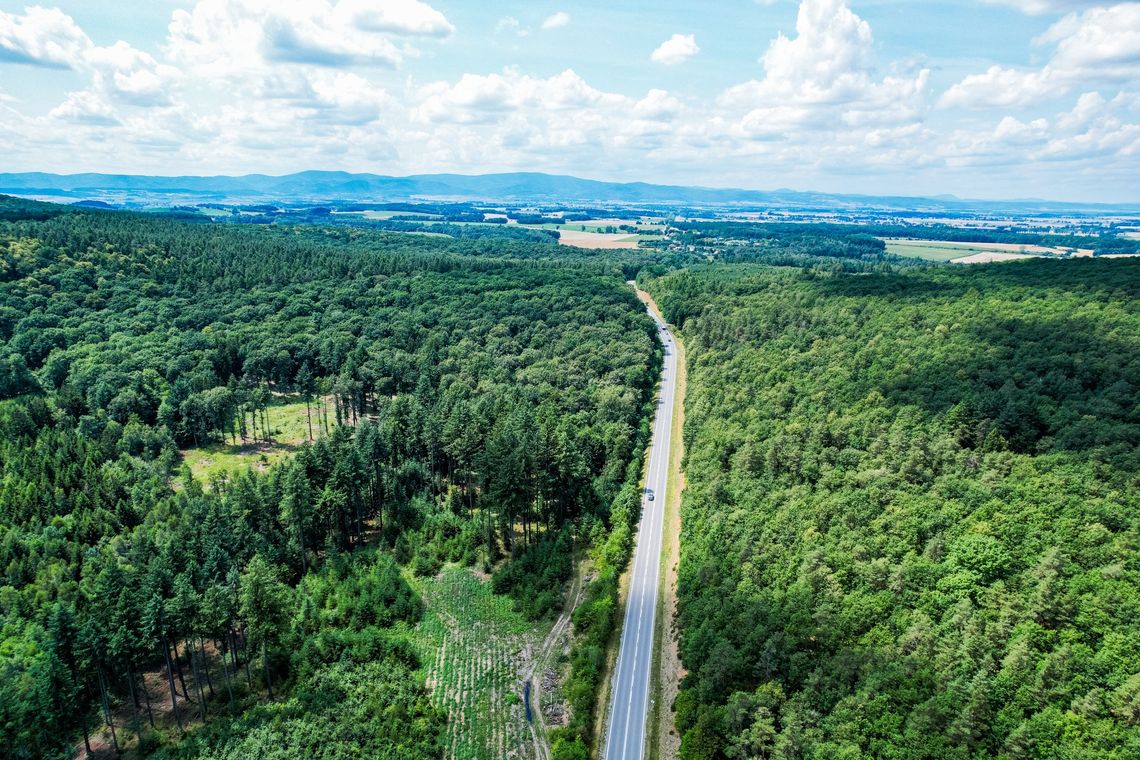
{"x": 1097, "y": 46}
{"x": 1039, "y": 7}
{"x": 677, "y": 49}
{"x": 120, "y": 73}
{"x": 239, "y": 35}
{"x": 131, "y": 75}
{"x": 407, "y": 17}
{"x": 478, "y": 99}
{"x": 999, "y": 86}
{"x": 557, "y": 20}
{"x": 658, "y": 105}
{"x": 1102, "y": 42}
{"x": 1093, "y": 131}
{"x": 42, "y": 37}
{"x": 281, "y": 85}
{"x": 85, "y": 107}
{"x": 512, "y": 25}
{"x": 823, "y": 78}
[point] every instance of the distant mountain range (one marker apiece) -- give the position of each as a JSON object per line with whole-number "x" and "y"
{"x": 520, "y": 187}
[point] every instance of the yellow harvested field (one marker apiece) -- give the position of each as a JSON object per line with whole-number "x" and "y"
{"x": 597, "y": 239}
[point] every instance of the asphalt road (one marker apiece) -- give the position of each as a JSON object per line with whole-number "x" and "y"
{"x": 629, "y": 693}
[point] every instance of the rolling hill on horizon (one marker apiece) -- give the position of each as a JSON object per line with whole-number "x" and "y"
{"x": 512, "y": 186}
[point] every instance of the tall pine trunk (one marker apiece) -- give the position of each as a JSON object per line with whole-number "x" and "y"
{"x": 86, "y": 733}
{"x": 226, "y": 674}
{"x": 170, "y": 680}
{"x": 206, "y": 666}
{"x": 146, "y": 698}
{"x": 196, "y": 672}
{"x": 134, "y": 705}
{"x": 107, "y": 712}
{"x": 178, "y": 671}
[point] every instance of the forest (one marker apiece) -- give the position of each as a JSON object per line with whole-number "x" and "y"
{"x": 910, "y": 528}
{"x": 913, "y": 510}
{"x": 473, "y": 402}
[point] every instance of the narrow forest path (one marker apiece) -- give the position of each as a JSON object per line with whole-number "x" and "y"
{"x": 546, "y": 658}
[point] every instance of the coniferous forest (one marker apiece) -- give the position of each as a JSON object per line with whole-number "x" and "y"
{"x": 913, "y": 511}
{"x": 465, "y": 408}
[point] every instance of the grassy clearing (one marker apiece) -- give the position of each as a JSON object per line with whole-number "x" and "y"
{"x": 289, "y": 423}
{"x": 475, "y": 648}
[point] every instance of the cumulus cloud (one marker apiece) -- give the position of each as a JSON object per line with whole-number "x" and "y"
{"x": 1095, "y": 46}
{"x": 42, "y": 37}
{"x": 658, "y": 105}
{"x": 556, "y": 20}
{"x": 279, "y": 85}
{"x": 512, "y": 25}
{"x": 1101, "y": 42}
{"x": 823, "y": 78}
{"x": 1039, "y": 7}
{"x": 85, "y": 107}
{"x": 239, "y": 35}
{"x": 120, "y": 73}
{"x": 677, "y": 49}
{"x": 479, "y": 99}
{"x": 405, "y": 17}
{"x": 1093, "y": 130}
{"x": 131, "y": 75}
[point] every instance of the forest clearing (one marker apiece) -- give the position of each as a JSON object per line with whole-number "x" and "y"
{"x": 290, "y": 423}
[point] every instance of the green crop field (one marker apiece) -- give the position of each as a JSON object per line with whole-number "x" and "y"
{"x": 474, "y": 647}
{"x": 930, "y": 250}
{"x": 947, "y": 250}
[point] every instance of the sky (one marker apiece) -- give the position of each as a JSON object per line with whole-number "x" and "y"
{"x": 977, "y": 98}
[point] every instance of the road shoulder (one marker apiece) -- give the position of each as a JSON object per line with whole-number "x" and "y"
{"x": 664, "y": 743}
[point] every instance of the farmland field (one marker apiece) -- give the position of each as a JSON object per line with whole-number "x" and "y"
{"x": 475, "y": 648}
{"x": 581, "y": 239}
{"x": 945, "y": 250}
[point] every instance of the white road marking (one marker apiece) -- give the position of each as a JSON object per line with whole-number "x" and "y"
{"x": 628, "y": 716}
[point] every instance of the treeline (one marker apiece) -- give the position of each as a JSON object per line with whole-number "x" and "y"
{"x": 911, "y": 518}
{"x": 828, "y": 246}
{"x": 494, "y": 407}
{"x": 1107, "y": 242}
{"x": 479, "y": 231}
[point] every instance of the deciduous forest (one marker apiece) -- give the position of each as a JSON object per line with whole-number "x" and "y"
{"x": 911, "y": 523}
